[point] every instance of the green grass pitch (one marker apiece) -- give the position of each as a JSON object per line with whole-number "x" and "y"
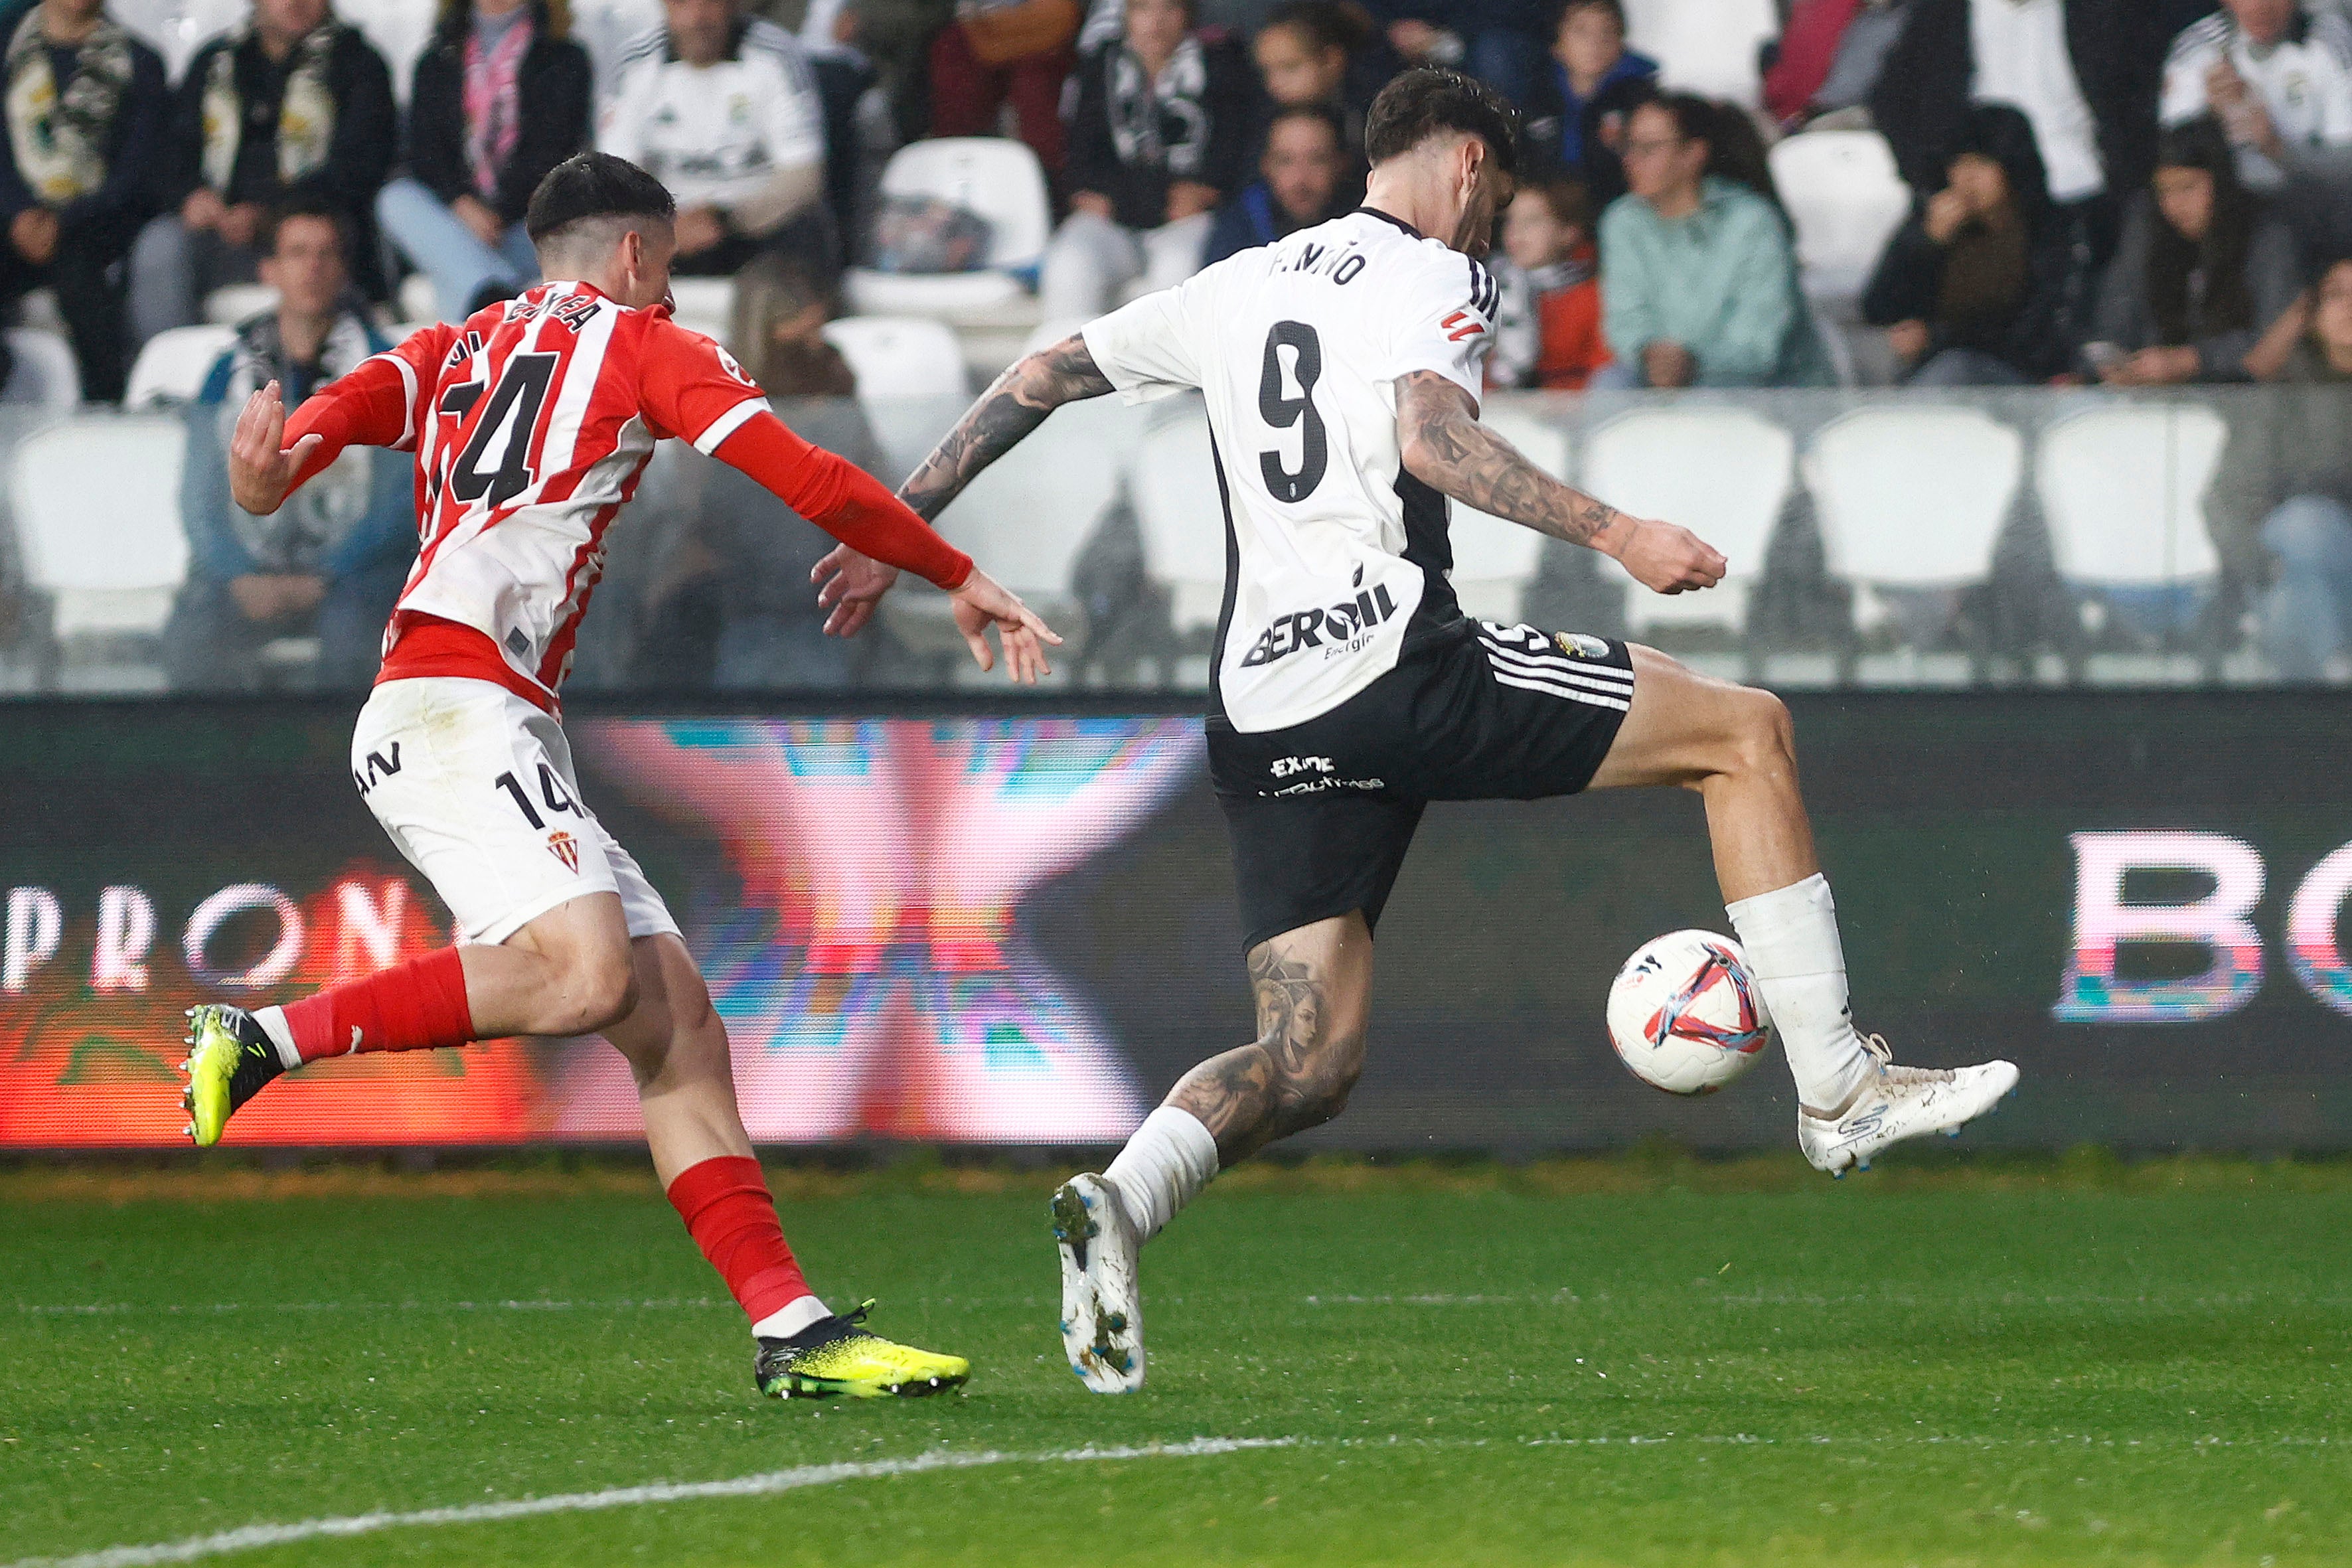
{"x": 1697, "y": 1366}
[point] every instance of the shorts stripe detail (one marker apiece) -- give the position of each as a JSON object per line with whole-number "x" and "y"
{"x": 1548, "y": 653}
{"x": 1573, "y": 693}
{"x": 1615, "y": 683}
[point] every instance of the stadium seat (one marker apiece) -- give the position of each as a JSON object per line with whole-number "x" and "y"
{"x": 1001, "y": 180}
{"x": 1494, "y": 560}
{"x": 2124, "y": 492}
{"x": 899, "y": 356}
{"x": 237, "y": 302}
{"x": 705, "y": 304}
{"x": 398, "y": 28}
{"x": 108, "y": 581}
{"x": 607, "y": 28}
{"x": 1913, "y": 498}
{"x": 178, "y": 28}
{"x": 173, "y": 366}
{"x": 1181, "y": 515}
{"x": 45, "y": 372}
{"x": 1722, "y": 472}
{"x": 1707, "y": 47}
{"x": 1846, "y": 200}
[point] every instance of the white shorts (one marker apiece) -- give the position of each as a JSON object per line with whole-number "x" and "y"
{"x": 475, "y": 786}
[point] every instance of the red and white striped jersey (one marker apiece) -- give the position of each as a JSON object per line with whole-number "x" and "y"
{"x": 532, "y": 423}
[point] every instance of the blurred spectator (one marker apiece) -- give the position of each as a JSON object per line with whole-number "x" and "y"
{"x": 502, "y": 97}
{"x": 1701, "y": 277}
{"x": 330, "y": 562}
{"x": 2083, "y": 71}
{"x": 1809, "y": 49}
{"x": 891, "y": 40}
{"x": 1001, "y": 50}
{"x": 1310, "y": 177}
{"x": 86, "y": 104}
{"x": 2202, "y": 268}
{"x": 1969, "y": 289}
{"x": 1862, "y": 50}
{"x": 1157, "y": 141}
{"x": 1498, "y": 41}
{"x": 725, "y": 112}
{"x": 1547, "y": 322}
{"x": 2281, "y": 506}
{"x": 2276, "y": 76}
{"x": 291, "y": 108}
{"x": 1592, "y": 81}
{"x": 781, "y": 305}
{"x": 1303, "y": 56}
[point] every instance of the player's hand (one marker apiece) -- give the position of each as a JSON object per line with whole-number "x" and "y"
{"x": 1667, "y": 558}
{"x": 260, "y": 469}
{"x": 979, "y": 603}
{"x": 850, "y": 585}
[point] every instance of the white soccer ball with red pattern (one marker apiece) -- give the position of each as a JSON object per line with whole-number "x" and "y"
{"x": 1685, "y": 1014}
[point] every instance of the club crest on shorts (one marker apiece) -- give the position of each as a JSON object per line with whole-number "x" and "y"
{"x": 1577, "y": 645}
{"x": 566, "y": 849}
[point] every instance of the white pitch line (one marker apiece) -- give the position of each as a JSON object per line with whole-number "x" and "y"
{"x": 250, "y": 1537}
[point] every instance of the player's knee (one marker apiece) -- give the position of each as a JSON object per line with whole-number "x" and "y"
{"x": 599, "y": 990}
{"x": 1317, "y": 1089}
{"x": 1764, "y": 737}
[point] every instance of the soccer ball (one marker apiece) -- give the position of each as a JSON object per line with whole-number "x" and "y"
{"x": 1686, "y": 1015}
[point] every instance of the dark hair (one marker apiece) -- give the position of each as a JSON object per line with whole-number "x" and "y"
{"x": 1323, "y": 114}
{"x": 1327, "y": 24}
{"x": 1429, "y": 100}
{"x": 594, "y": 185}
{"x": 1735, "y": 148}
{"x": 2003, "y": 135}
{"x": 1568, "y": 197}
{"x": 452, "y": 18}
{"x": 316, "y": 212}
{"x": 1560, "y": 14}
{"x": 2220, "y": 257}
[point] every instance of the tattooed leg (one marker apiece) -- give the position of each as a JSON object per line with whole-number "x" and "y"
{"x": 1314, "y": 999}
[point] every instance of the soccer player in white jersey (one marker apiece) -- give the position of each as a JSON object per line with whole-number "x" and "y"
{"x": 1340, "y": 367}
{"x": 532, "y": 423}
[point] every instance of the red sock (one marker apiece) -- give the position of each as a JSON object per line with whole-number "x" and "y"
{"x": 726, "y": 1209}
{"x": 413, "y": 1007}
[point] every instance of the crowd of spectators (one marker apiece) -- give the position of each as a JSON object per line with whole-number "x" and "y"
{"x": 2138, "y": 192}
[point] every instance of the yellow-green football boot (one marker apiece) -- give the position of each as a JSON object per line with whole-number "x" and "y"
{"x": 836, "y": 1357}
{"x": 230, "y": 1058}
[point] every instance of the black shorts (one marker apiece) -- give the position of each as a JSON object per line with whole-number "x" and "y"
{"x": 1323, "y": 812}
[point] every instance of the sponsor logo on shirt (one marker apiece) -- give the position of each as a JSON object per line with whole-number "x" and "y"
{"x": 1339, "y": 629}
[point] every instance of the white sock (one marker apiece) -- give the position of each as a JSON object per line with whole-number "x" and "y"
{"x": 1163, "y": 1167}
{"x": 792, "y": 1318}
{"x": 281, "y": 1035}
{"x": 1792, "y": 938}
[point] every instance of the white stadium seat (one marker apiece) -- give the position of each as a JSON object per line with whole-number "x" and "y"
{"x": 1846, "y": 200}
{"x": 1707, "y": 46}
{"x": 1494, "y": 560}
{"x": 607, "y": 29}
{"x": 705, "y": 304}
{"x": 2123, "y": 490}
{"x": 123, "y": 470}
{"x": 899, "y": 356}
{"x": 178, "y": 28}
{"x": 1913, "y": 498}
{"x": 1181, "y": 515}
{"x": 1001, "y": 180}
{"x": 173, "y": 366}
{"x": 1722, "y": 472}
{"x": 238, "y": 302}
{"x": 399, "y": 29}
{"x": 45, "y": 372}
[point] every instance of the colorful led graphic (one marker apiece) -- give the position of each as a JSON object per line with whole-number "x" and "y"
{"x": 2093, "y": 993}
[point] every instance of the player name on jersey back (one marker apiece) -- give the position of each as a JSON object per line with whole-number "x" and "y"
{"x": 1339, "y": 555}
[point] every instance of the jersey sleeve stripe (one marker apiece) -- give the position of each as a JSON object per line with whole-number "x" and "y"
{"x": 407, "y": 399}
{"x": 715, "y": 434}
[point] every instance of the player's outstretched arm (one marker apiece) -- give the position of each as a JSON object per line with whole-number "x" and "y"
{"x": 850, "y": 583}
{"x": 262, "y": 470}
{"x": 1445, "y": 447}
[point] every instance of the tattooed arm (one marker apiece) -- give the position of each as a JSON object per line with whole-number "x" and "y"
{"x": 1446, "y": 448}
{"x": 851, "y": 584}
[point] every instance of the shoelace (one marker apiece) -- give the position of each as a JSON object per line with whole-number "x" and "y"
{"x": 1888, "y": 1072}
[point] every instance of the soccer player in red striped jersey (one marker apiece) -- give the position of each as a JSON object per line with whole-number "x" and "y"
{"x": 532, "y": 423}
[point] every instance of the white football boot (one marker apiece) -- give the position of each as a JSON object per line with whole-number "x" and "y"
{"x": 1897, "y": 1103}
{"x": 1102, "y": 1306}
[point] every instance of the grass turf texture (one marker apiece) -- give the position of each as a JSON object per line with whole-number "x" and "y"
{"x": 2001, "y": 1363}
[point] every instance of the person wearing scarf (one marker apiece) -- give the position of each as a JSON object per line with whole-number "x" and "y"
{"x": 331, "y": 561}
{"x": 81, "y": 93}
{"x": 502, "y": 96}
{"x": 1159, "y": 136}
{"x": 291, "y": 106}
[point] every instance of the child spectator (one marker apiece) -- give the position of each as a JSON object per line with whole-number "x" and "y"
{"x": 1304, "y": 54}
{"x": 1971, "y": 288}
{"x": 2202, "y": 268}
{"x": 502, "y": 97}
{"x": 996, "y": 51}
{"x": 86, "y": 104}
{"x": 1156, "y": 139}
{"x": 1576, "y": 116}
{"x": 1702, "y": 276}
{"x": 293, "y": 107}
{"x": 331, "y": 561}
{"x": 1309, "y": 178}
{"x": 2281, "y": 506}
{"x": 1547, "y": 324}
